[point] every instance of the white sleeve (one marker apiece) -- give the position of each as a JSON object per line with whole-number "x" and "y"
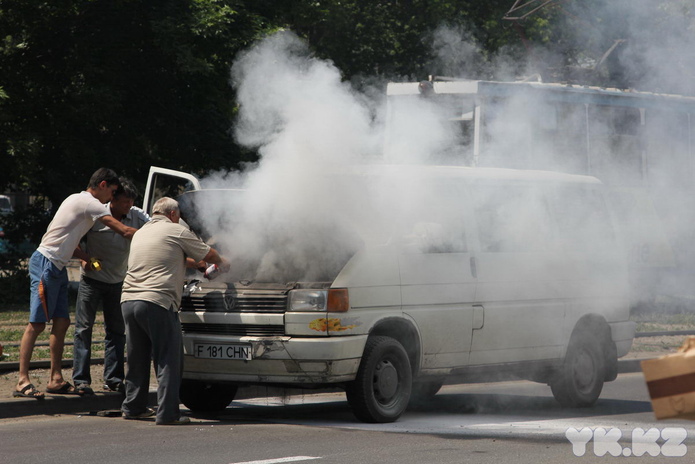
{"x": 96, "y": 209}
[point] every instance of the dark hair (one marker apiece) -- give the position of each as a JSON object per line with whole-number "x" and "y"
{"x": 126, "y": 188}
{"x": 103, "y": 174}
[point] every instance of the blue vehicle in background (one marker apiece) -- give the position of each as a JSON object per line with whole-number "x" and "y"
{"x": 3, "y": 241}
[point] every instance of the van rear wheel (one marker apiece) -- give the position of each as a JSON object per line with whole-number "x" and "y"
{"x": 381, "y": 390}
{"x": 580, "y": 379}
{"x": 206, "y": 397}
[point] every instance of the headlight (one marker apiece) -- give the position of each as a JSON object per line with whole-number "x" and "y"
{"x": 308, "y": 300}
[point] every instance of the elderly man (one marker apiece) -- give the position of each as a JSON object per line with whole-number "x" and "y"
{"x": 159, "y": 255}
{"x": 49, "y": 278}
{"x": 100, "y": 286}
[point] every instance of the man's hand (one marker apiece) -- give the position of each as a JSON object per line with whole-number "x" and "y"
{"x": 200, "y": 266}
{"x": 129, "y": 232}
{"x": 225, "y": 265}
{"x": 214, "y": 257}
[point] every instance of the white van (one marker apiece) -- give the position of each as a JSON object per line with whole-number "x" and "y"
{"x": 467, "y": 274}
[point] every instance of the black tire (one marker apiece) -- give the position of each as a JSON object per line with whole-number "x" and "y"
{"x": 580, "y": 380}
{"x": 381, "y": 390}
{"x": 206, "y": 397}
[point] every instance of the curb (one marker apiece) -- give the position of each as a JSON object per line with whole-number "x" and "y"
{"x": 55, "y": 405}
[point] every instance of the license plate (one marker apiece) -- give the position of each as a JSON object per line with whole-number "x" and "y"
{"x": 222, "y": 351}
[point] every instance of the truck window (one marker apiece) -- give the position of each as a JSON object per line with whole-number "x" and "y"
{"x": 167, "y": 186}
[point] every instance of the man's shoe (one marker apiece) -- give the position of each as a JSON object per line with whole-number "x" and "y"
{"x": 117, "y": 387}
{"x": 83, "y": 389}
{"x": 180, "y": 421}
{"x": 149, "y": 412}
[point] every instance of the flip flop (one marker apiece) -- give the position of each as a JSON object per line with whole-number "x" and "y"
{"x": 29, "y": 391}
{"x": 65, "y": 389}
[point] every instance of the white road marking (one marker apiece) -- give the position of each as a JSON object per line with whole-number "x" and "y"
{"x": 273, "y": 461}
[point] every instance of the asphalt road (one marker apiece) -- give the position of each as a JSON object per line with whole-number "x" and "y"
{"x": 511, "y": 422}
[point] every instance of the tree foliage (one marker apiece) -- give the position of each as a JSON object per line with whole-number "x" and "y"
{"x": 133, "y": 83}
{"x": 123, "y": 84}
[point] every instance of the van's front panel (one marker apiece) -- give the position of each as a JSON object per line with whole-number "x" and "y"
{"x": 438, "y": 291}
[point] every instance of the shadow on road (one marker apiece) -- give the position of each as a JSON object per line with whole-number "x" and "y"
{"x": 335, "y": 409}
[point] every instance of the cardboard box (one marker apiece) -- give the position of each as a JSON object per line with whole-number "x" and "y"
{"x": 671, "y": 383}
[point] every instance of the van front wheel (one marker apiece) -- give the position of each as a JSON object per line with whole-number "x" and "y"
{"x": 580, "y": 379}
{"x": 381, "y": 390}
{"x": 205, "y": 397}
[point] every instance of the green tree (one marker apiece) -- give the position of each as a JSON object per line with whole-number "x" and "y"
{"x": 123, "y": 84}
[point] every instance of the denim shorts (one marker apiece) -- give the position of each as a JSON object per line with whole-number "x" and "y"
{"x": 49, "y": 290}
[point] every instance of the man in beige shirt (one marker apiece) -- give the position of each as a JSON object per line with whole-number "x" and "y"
{"x": 159, "y": 254}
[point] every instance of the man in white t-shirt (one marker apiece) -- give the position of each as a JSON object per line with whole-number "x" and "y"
{"x": 49, "y": 278}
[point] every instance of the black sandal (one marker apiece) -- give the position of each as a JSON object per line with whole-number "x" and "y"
{"x": 29, "y": 391}
{"x": 65, "y": 389}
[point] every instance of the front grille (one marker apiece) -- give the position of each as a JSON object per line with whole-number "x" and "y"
{"x": 251, "y": 330}
{"x": 235, "y": 303}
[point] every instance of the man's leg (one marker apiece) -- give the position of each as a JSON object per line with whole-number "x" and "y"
{"x": 137, "y": 379}
{"x": 114, "y": 371}
{"x": 38, "y": 316}
{"x": 26, "y": 348}
{"x": 88, "y": 300}
{"x": 56, "y": 343}
{"x": 167, "y": 350}
{"x": 56, "y": 295}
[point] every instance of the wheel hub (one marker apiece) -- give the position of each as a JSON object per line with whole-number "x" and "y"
{"x": 386, "y": 380}
{"x": 584, "y": 371}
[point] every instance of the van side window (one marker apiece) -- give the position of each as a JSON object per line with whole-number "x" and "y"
{"x": 512, "y": 218}
{"x": 583, "y": 219}
{"x": 435, "y": 222}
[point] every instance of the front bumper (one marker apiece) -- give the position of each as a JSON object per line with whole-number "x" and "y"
{"x": 623, "y": 333}
{"x": 280, "y": 360}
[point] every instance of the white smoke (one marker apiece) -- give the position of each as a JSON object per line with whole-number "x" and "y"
{"x": 290, "y": 221}
{"x": 295, "y": 219}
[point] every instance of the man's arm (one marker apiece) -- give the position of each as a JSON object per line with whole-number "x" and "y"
{"x": 118, "y": 226}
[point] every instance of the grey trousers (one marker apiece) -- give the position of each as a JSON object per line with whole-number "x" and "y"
{"x": 153, "y": 333}
{"x": 91, "y": 295}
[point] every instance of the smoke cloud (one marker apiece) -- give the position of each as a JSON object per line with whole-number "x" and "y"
{"x": 295, "y": 218}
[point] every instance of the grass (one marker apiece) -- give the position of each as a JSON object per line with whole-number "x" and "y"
{"x": 13, "y": 323}
{"x": 655, "y": 322}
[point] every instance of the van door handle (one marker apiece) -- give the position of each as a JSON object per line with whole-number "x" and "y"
{"x": 474, "y": 268}
{"x": 478, "y": 317}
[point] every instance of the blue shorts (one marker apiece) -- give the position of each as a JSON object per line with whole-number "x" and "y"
{"x": 49, "y": 290}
